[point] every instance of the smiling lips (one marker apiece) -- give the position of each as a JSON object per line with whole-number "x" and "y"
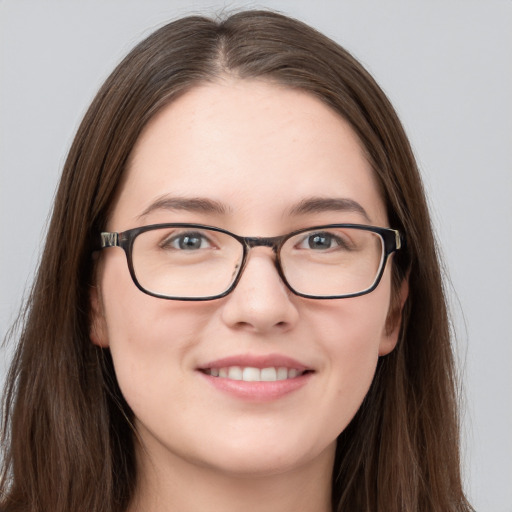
{"x": 252, "y": 374}
{"x": 256, "y": 378}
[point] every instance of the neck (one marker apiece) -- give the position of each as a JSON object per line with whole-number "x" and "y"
{"x": 171, "y": 484}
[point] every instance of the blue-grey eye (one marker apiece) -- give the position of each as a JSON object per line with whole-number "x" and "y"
{"x": 320, "y": 241}
{"x": 188, "y": 242}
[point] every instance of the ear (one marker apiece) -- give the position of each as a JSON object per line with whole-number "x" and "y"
{"x": 394, "y": 319}
{"x": 97, "y": 322}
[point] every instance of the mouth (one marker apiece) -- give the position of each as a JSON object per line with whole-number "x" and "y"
{"x": 253, "y": 374}
{"x": 257, "y": 378}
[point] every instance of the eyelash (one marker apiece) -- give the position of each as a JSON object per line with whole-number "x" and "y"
{"x": 339, "y": 241}
{"x": 170, "y": 240}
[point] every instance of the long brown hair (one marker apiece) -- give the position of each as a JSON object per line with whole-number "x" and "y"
{"x": 67, "y": 429}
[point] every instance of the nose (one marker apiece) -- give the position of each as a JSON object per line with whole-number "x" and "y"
{"x": 261, "y": 302}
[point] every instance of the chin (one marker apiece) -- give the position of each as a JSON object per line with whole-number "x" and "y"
{"x": 256, "y": 464}
{"x": 259, "y": 457}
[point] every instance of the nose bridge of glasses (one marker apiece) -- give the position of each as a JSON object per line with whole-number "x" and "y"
{"x": 272, "y": 242}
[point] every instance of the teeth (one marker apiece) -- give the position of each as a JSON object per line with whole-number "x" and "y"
{"x": 268, "y": 374}
{"x": 235, "y": 373}
{"x": 282, "y": 373}
{"x": 250, "y": 374}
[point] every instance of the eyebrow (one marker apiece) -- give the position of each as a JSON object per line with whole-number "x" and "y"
{"x": 190, "y": 204}
{"x": 210, "y": 206}
{"x": 328, "y": 204}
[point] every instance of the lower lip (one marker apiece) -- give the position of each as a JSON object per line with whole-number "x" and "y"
{"x": 258, "y": 391}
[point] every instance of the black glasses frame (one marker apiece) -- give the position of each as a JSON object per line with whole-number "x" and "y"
{"x": 392, "y": 238}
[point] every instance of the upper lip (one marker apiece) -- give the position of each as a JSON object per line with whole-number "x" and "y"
{"x": 256, "y": 361}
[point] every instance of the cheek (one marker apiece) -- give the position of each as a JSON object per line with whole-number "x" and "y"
{"x": 151, "y": 349}
{"x": 144, "y": 339}
{"x": 350, "y": 334}
{"x": 149, "y": 338}
{"x": 354, "y": 326}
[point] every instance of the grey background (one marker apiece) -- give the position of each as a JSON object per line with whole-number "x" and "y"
{"x": 446, "y": 66}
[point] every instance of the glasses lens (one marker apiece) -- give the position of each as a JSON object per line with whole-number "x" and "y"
{"x": 332, "y": 261}
{"x": 186, "y": 262}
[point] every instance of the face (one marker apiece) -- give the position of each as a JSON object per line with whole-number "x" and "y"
{"x": 258, "y": 150}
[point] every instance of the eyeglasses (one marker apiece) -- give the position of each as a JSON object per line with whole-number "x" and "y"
{"x": 196, "y": 262}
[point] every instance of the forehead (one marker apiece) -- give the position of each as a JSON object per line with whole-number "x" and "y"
{"x": 256, "y": 147}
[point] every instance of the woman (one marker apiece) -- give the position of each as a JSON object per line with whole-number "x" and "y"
{"x": 239, "y": 303}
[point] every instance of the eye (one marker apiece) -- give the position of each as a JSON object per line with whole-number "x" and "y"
{"x": 322, "y": 241}
{"x": 190, "y": 241}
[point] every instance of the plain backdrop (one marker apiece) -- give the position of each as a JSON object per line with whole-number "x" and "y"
{"x": 446, "y": 66}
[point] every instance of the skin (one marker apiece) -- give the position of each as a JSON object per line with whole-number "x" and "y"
{"x": 259, "y": 149}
